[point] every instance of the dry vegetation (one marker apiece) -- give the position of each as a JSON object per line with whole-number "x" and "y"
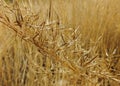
{"x": 60, "y": 43}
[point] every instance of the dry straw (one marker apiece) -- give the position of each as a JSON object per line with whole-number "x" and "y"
{"x": 59, "y": 43}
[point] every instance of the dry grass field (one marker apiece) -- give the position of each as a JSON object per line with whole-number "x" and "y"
{"x": 60, "y": 43}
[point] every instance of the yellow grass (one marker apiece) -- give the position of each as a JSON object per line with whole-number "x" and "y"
{"x": 60, "y": 43}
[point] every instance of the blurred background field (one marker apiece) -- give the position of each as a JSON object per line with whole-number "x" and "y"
{"x": 59, "y": 43}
